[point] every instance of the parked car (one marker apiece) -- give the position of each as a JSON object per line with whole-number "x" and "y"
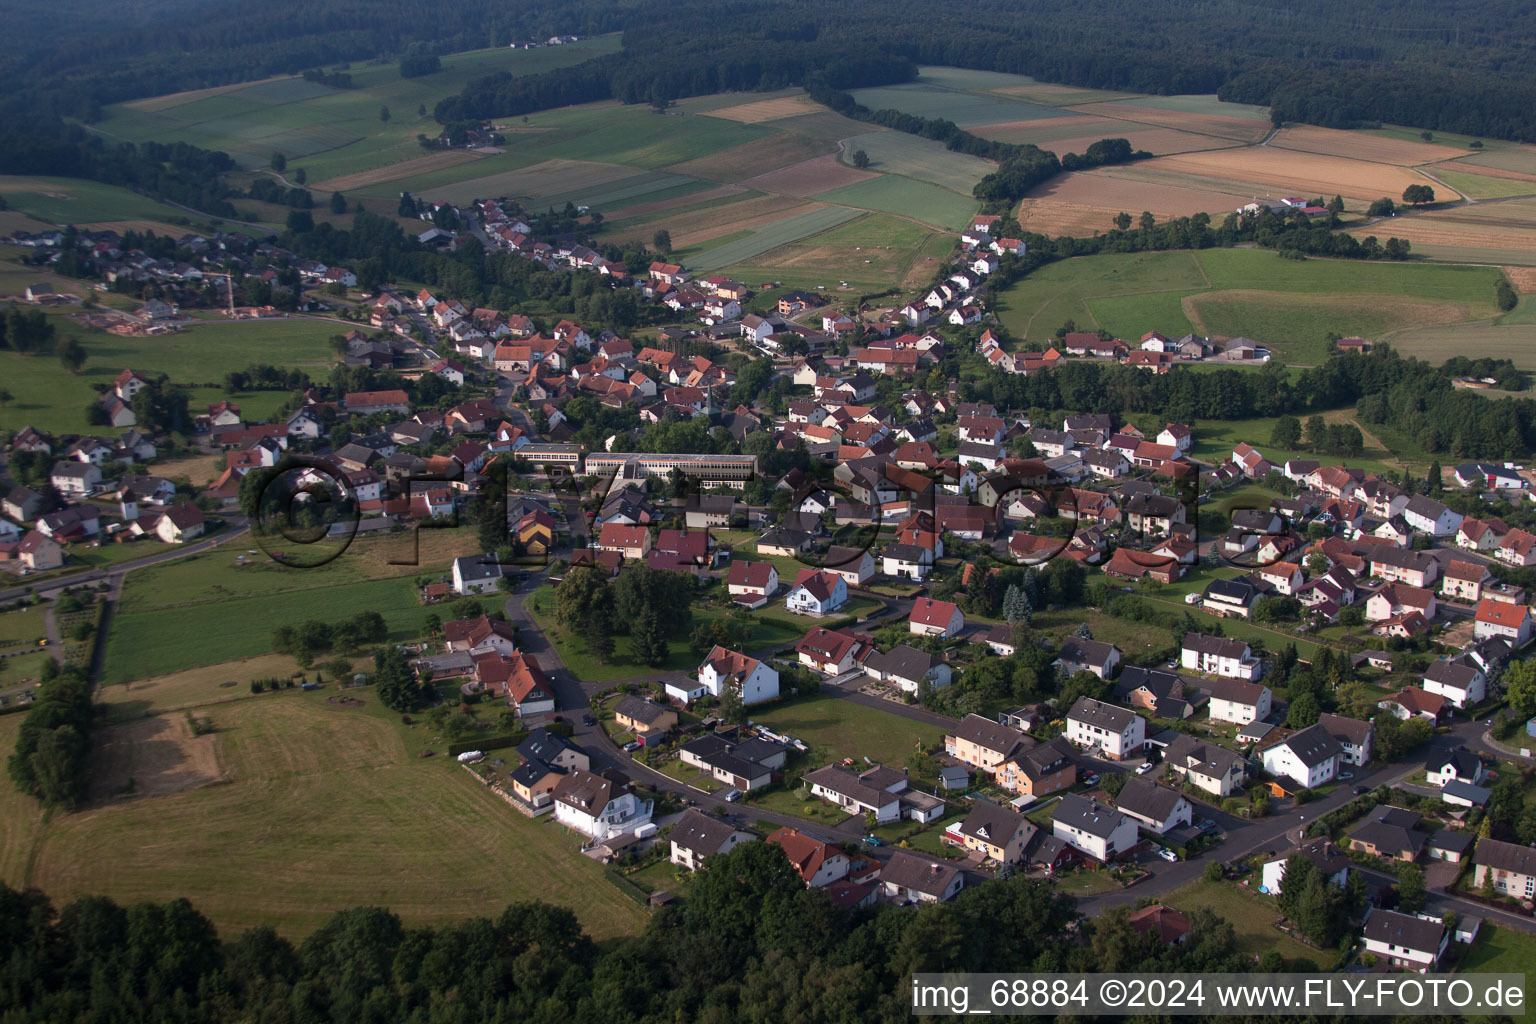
{"x": 873, "y": 841}
{"x": 1346, "y": 775}
{"x": 1208, "y": 825}
{"x": 632, "y": 746}
{"x": 1362, "y": 790}
{"x": 1167, "y": 854}
{"x": 588, "y": 720}
{"x": 1144, "y": 767}
{"x": 1090, "y": 780}
{"x": 732, "y": 795}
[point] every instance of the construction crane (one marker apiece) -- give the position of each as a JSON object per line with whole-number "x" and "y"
{"x": 229, "y": 289}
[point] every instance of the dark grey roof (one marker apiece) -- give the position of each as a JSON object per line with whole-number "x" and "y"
{"x": 1219, "y": 646}
{"x": 532, "y": 770}
{"x": 1105, "y": 716}
{"x": 842, "y": 781}
{"x": 994, "y": 823}
{"x": 909, "y": 871}
{"x": 1391, "y": 829}
{"x": 1087, "y": 815}
{"x": 1448, "y": 839}
{"x": 1238, "y": 692}
{"x": 1234, "y": 590}
{"x": 1345, "y": 730}
{"x": 989, "y": 734}
{"x": 1158, "y": 683}
{"x": 903, "y": 661}
{"x": 1313, "y": 745}
{"x": 1078, "y": 651}
{"x": 1205, "y": 757}
{"x": 1496, "y": 853}
{"x": 1476, "y": 795}
{"x": 545, "y": 745}
{"x": 639, "y": 709}
{"x": 700, "y": 833}
{"x": 1396, "y": 929}
{"x": 1461, "y": 760}
{"x": 1146, "y": 799}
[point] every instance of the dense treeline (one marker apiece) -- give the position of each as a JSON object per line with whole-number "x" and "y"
{"x": 750, "y": 943}
{"x": 1408, "y": 396}
{"x": 660, "y": 69}
{"x": 49, "y": 759}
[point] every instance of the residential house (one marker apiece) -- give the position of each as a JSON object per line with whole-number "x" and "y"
{"x": 998, "y": 833}
{"x": 1038, "y": 771}
{"x": 851, "y": 791}
{"x": 595, "y": 806}
{"x": 816, "y": 592}
{"x": 745, "y": 765}
{"x": 855, "y": 565}
{"x": 1205, "y": 765}
{"x": 1388, "y": 832}
{"x": 645, "y": 718}
{"x": 1093, "y": 829}
{"x": 1308, "y": 758}
{"x": 1461, "y": 682}
{"x": 907, "y": 668}
{"x": 696, "y": 836}
{"x": 1331, "y": 863}
{"x": 476, "y": 574}
{"x": 818, "y": 863}
{"x": 985, "y": 744}
{"x": 1413, "y": 701}
{"x": 831, "y": 651}
{"x": 913, "y": 879}
{"x": 755, "y": 681}
{"x": 1426, "y": 515}
{"x": 1405, "y": 941}
{"x": 935, "y": 618}
{"x": 1152, "y": 690}
{"x": 1511, "y": 866}
{"x": 1509, "y": 622}
{"x": 1356, "y": 738}
{"x": 1118, "y": 732}
{"x": 1459, "y": 765}
{"x": 1221, "y": 656}
{"x": 752, "y": 583}
{"x": 1239, "y": 702}
{"x": 625, "y": 541}
{"x": 1077, "y": 654}
{"x": 1156, "y": 809}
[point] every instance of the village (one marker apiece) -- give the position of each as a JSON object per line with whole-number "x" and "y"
{"x": 915, "y": 540}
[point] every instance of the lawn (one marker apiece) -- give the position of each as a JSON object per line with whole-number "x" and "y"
{"x": 1251, "y": 918}
{"x": 1248, "y": 292}
{"x": 784, "y": 801}
{"x": 1501, "y": 950}
{"x": 624, "y": 665}
{"x": 322, "y": 809}
{"x": 22, "y": 627}
{"x": 835, "y": 728}
{"x": 51, "y": 399}
{"x": 206, "y": 609}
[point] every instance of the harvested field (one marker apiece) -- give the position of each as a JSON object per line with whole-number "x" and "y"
{"x": 765, "y": 110}
{"x": 1362, "y": 146}
{"x": 1255, "y": 169}
{"x": 662, "y": 205}
{"x": 694, "y": 226}
{"x": 1087, "y": 201}
{"x": 1506, "y": 158}
{"x": 1515, "y": 342}
{"x": 1523, "y": 278}
{"x": 753, "y": 158}
{"x": 403, "y": 169}
{"x": 1225, "y": 126}
{"x": 159, "y": 227}
{"x": 809, "y": 178}
{"x": 206, "y": 687}
{"x": 1060, "y": 95}
{"x": 200, "y": 470}
{"x": 1491, "y": 232}
{"x": 1157, "y": 141}
{"x": 546, "y": 178}
{"x": 14, "y": 220}
{"x": 151, "y": 757}
{"x": 1045, "y": 129}
{"x": 1482, "y": 170}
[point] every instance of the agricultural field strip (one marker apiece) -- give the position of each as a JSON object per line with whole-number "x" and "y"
{"x": 772, "y": 236}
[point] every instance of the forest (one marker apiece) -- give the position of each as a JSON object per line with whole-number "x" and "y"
{"x": 750, "y": 943}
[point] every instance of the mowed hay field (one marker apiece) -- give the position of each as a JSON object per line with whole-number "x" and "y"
{"x": 1362, "y": 146}
{"x": 1515, "y": 342}
{"x": 1250, "y": 292}
{"x": 321, "y": 809}
{"x": 906, "y": 197}
{"x": 867, "y": 252}
{"x": 332, "y": 133}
